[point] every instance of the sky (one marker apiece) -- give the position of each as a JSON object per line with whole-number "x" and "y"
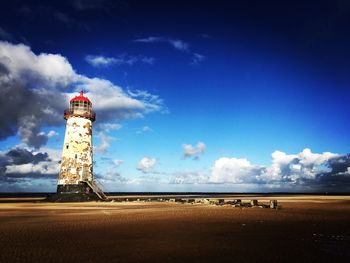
{"x": 190, "y": 96}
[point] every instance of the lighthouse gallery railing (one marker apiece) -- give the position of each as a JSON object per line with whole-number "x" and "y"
{"x": 89, "y": 114}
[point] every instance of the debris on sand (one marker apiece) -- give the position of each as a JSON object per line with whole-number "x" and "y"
{"x": 273, "y": 204}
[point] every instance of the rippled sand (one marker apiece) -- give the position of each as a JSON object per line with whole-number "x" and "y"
{"x": 305, "y": 229}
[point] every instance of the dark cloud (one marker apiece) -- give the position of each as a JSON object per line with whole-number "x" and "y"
{"x": 305, "y": 171}
{"x": 26, "y": 110}
{"x": 3, "y": 69}
{"x": 340, "y": 165}
{"x": 11, "y": 166}
{"x": 337, "y": 179}
{"x": 334, "y": 176}
{"x": 23, "y": 156}
{"x": 34, "y": 90}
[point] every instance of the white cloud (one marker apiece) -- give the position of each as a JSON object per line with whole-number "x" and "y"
{"x": 54, "y": 154}
{"x": 102, "y": 61}
{"x": 23, "y": 64}
{"x": 149, "y": 39}
{"x": 285, "y": 168}
{"x": 232, "y": 170}
{"x": 144, "y": 129}
{"x": 293, "y": 167}
{"x": 307, "y": 158}
{"x": 46, "y": 167}
{"x": 151, "y": 102}
{"x": 146, "y": 164}
{"x": 98, "y": 61}
{"x": 179, "y": 44}
{"x": 193, "y": 151}
{"x": 40, "y": 136}
{"x": 52, "y": 133}
{"x": 39, "y": 84}
{"x": 189, "y": 177}
{"x": 111, "y": 102}
{"x": 42, "y": 162}
{"x": 197, "y": 58}
{"x": 110, "y": 126}
{"x": 117, "y": 162}
{"x": 175, "y": 43}
{"x": 105, "y": 143}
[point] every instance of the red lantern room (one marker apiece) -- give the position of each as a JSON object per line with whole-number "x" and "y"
{"x": 80, "y": 106}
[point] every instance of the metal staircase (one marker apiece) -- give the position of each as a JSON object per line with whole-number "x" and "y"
{"x": 97, "y": 189}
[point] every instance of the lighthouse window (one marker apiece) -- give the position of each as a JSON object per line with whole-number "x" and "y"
{"x": 67, "y": 146}
{"x": 76, "y": 156}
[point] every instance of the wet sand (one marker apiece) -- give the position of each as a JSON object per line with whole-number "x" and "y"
{"x": 305, "y": 229}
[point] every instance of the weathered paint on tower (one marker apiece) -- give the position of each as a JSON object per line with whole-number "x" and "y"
{"x": 76, "y": 163}
{"x": 76, "y": 174}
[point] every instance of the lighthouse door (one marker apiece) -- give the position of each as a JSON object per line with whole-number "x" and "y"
{"x": 85, "y": 175}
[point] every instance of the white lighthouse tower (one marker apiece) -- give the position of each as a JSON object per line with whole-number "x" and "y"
{"x": 76, "y": 175}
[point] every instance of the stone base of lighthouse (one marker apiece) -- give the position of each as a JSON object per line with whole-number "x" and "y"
{"x": 81, "y": 188}
{"x": 74, "y": 193}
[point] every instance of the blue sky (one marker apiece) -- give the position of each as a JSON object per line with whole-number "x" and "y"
{"x": 215, "y": 96}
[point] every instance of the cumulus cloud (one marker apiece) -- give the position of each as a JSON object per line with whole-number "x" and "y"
{"x": 296, "y": 167}
{"x": 102, "y": 61}
{"x": 29, "y": 95}
{"x": 339, "y": 165}
{"x": 233, "y": 170}
{"x": 175, "y": 43}
{"x": 193, "y": 151}
{"x": 20, "y": 164}
{"x": 35, "y": 90}
{"x": 146, "y": 164}
{"x": 111, "y": 102}
{"x": 302, "y": 171}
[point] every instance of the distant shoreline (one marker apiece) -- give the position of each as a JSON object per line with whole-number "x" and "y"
{"x": 44, "y": 194}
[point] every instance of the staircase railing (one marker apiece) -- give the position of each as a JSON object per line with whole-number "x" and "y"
{"x": 97, "y": 189}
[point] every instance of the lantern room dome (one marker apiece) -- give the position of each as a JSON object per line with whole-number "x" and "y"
{"x": 81, "y": 97}
{"x": 80, "y": 106}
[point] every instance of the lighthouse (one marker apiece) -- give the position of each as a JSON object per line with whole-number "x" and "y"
{"x": 76, "y": 180}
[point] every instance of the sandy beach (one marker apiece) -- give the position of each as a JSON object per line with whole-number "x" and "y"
{"x": 305, "y": 229}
